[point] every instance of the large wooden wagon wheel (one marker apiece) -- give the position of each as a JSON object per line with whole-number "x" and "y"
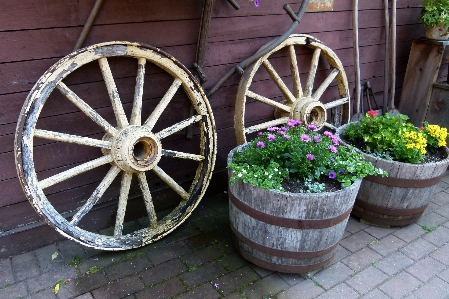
{"x": 132, "y": 148}
{"x": 303, "y": 103}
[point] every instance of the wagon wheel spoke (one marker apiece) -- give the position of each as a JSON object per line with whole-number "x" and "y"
{"x": 179, "y": 126}
{"x": 120, "y": 116}
{"x": 136, "y": 114}
{"x": 267, "y": 101}
{"x": 122, "y": 202}
{"x": 266, "y": 125}
{"x": 147, "y": 199}
{"x": 96, "y": 195}
{"x": 57, "y": 136}
{"x": 330, "y": 126}
{"x": 320, "y": 90}
{"x": 312, "y": 72}
{"x": 336, "y": 103}
{"x": 297, "y": 88}
{"x": 181, "y": 155}
{"x": 278, "y": 80}
{"x": 171, "y": 183}
{"x": 65, "y": 175}
{"x": 84, "y": 107}
{"x": 152, "y": 119}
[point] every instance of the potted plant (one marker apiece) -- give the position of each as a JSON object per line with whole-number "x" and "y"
{"x": 435, "y": 17}
{"x": 415, "y": 158}
{"x": 291, "y": 191}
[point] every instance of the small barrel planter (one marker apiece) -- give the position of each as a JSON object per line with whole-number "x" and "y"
{"x": 401, "y": 198}
{"x": 288, "y": 232}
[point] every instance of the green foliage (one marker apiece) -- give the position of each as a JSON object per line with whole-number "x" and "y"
{"x": 76, "y": 260}
{"x": 435, "y": 13}
{"x": 94, "y": 269}
{"x": 298, "y": 152}
{"x": 429, "y": 229}
{"x": 393, "y": 137}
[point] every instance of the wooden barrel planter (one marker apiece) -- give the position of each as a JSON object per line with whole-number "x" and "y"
{"x": 288, "y": 232}
{"x": 401, "y": 198}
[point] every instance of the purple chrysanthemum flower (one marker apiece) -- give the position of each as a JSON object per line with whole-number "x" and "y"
{"x": 342, "y": 171}
{"x": 332, "y": 175}
{"x": 291, "y": 123}
{"x": 256, "y": 3}
{"x": 272, "y": 129}
{"x": 332, "y": 160}
{"x": 260, "y": 144}
{"x": 312, "y": 127}
{"x": 271, "y": 137}
{"x": 316, "y": 139}
{"x": 305, "y": 137}
{"x": 310, "y": 157}
{"x": 260, "y": 133}
{"x": 327, "y": 133}
{"x": 283, "y": 129}
{"x": 282, "y": 133}
{"x": 332, "y": 148}
{"x": 286, "y": 136}
{"x": 334, "y": 140}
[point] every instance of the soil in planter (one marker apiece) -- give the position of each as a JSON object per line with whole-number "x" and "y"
{"x": 433, "y": 156}
{"x": 295, "y": 186}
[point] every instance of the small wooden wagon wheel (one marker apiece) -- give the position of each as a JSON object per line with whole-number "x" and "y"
{"x": 305, "y": 104}
{"x": 133, "y": 148}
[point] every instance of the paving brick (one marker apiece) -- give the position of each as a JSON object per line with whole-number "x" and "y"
{"x": 440, "y": 197}
{"x": 340, "y": 291}
{"x": 438, "y": 237}
{"x": 267, "y": 286}
{"x": 353, "y": 226}
{"x": 48, "y": 293}
{"x": 6, "y": 274}
{"x": 68, "y": 249}
{"x": 203, "y": 274}
{"x": 49, "y": 279}
{"x": 306, "y": 289}
{"x": 388, "y": 245}
{"x": 233, "y": 261}
{"x": 164, "y": 290}
{"x": 85, "y": 296}
{"x": 400, "y": 285}
{"x": 291, "y": 279}
{"x": 101, "y": 260}
{"x": 119, "y": 288}
{"x": 380, "y": 232}
{"x": 410, "y": 232}
{"x": 203, "y": 255}
{"x": 44, "y": 258}
{"x": 357, "y": 241}
{"x": 442, "y": 255}
{"x": 235, "y": 295}
{"x": 162, "y": 253}
{"x": 375, "y": 294}
{"x": 25, "y": 266}
{"x": 361, "y": 259}
{"x": 262, "y": 272}
{"x": 333, "y": 275}
{"x": 431, "y": 219}
{"x": 367, "y": 279}
{"x": 444, "y": 210}
{"x": 163, "y": 271}
{"x": 204, "y": 239}
{"x": 394, "y": 263}
{"x": 444, "y": 275}
{"x": 425, "y": 269}
{"x": 181, "y": 233}
{"x": 17, "y": 290}
{"x": 82, "y": 285}
{"x": 435, "y": 289}
{"x": 340, "y": 254}
{"x": 234, "y": 280}
{"x": 127, "y": 268}
{"x": 206, "y": 291}
{"x": 418, "y": 248}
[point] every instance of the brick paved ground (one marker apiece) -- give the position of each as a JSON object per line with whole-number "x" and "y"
{"x": 199, "y": 261}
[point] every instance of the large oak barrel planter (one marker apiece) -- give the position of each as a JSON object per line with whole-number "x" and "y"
{"x": 401, "y": 198}
{"x": 288, "y": 232}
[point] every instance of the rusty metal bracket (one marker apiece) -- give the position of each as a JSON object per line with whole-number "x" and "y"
{"x": 88, "y": 25}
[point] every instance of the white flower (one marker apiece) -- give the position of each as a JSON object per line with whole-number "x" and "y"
{"x": 239, "y": 175}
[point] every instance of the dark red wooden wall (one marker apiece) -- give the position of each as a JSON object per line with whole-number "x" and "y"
{"x": 34, "y": 34}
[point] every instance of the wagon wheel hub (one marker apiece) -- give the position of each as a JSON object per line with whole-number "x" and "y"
{"x": 136, "y": 149}
{"x": 310, "y": 111}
